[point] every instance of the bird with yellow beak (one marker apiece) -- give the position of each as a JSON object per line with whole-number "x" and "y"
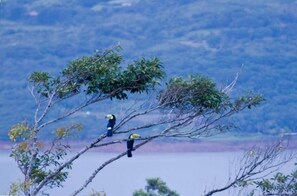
{"x": 130, "y": 143}
{"x": 110, "y": 124}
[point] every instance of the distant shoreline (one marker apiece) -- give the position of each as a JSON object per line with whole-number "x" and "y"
{"x": 174, "y": 146}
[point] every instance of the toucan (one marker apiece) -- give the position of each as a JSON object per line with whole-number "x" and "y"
{"x": 111, "y": 122}
{"x": 130, "y": 143}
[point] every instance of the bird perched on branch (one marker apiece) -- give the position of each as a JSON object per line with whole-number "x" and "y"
{"x": 130, "y": 143}
{"x": 111, "y": 122}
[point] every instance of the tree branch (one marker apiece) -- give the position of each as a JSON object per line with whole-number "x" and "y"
{"x": 163, "y": 133}
{"x": 256, "y": 162}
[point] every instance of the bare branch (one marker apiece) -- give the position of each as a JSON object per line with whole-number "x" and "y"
{"x": 148, "y": 139}
{"x": 227, "y": 89}
{"x": 256, "y": 162}
{"x": 46, "y": 110}
{"x": 89, "y": 180}
{"x": 89, "y": 102}
{"x": 67, "y": 163}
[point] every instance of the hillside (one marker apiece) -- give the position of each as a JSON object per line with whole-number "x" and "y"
{"x": 214, "y": 38}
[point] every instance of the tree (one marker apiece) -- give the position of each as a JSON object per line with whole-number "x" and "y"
{"x": 256, "y": 163}
{"x": 155, "y": 187}
{"x": 279, "y": 184}
{"x": 185, "y": 108}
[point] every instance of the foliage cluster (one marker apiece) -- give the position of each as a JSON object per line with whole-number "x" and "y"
{"x": 101, "y": 74}
{"x": 45, "y": 158}
{"x": 155, "y": 187}
{"x": 279, "y": 184}
{"x": 197, "y": 91}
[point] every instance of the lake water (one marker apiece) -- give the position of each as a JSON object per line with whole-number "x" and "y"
{"x": 190, "y": 174}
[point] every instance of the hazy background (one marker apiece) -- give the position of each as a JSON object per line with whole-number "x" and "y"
{"x": 214, "y": 38}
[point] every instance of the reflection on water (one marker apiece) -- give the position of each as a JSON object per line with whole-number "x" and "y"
{"x": 187, "y": 173}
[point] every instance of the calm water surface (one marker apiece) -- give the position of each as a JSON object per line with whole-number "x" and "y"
{"x": 190, "y": 174}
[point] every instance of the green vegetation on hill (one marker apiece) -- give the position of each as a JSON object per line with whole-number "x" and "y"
{"x": 214, "y": 38}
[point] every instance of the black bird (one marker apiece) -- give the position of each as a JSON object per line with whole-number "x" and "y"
{"x": 111, "y": 122}
{"x": 130, "y": 143}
